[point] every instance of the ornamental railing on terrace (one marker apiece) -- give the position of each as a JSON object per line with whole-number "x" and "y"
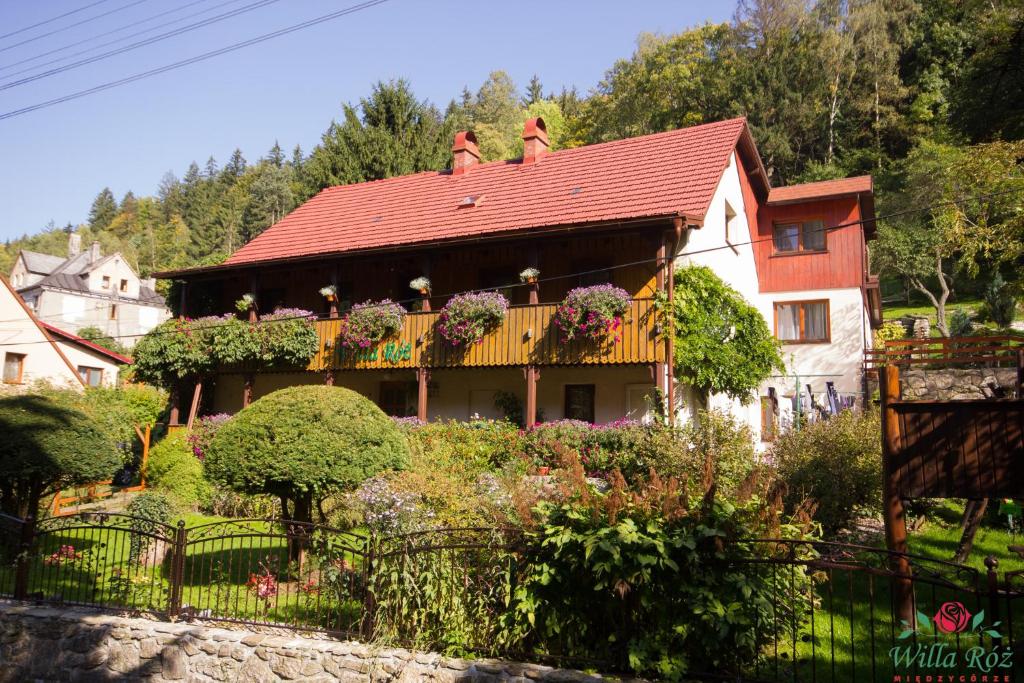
{"x": 527, "y": 337}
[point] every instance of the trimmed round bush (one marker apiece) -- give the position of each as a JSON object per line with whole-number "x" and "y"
{"x": 304, "y": 443}
{"x": 47, "y": 446}
{"x": 174, "y": 468}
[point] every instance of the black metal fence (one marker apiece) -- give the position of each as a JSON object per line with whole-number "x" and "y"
{"x": 832, "y": 612}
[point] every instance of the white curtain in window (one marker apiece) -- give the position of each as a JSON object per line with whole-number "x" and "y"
{"x": 788, "y": 321}
{"x": 815, "y": 323}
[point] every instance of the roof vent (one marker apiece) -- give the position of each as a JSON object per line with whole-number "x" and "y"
{"x": 535, "y": 140}
{"x": 465, "y": 153}
{"x": 471, "y": 200}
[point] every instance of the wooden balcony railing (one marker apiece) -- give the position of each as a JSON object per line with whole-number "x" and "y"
{"x": 527, "y": 337}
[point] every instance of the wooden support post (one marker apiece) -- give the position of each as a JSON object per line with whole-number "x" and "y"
{"x": 533, "y": 260}
{"x": 194, "y": 409}
{"x": 661, "y": 380}
{"x": 334, "y": 300}
{"x": 423, "y": 378}
{"x": 1020, "y": 373}
{"x": 254, "y": 284}
{"x": 892, "y": 506}
{"x": 183, "y": 300}
{"x": 247, "y": 388}
{"x": 175, "y": 417}
{"x": 670, "y": 287}
{"x": 532, "y": 374}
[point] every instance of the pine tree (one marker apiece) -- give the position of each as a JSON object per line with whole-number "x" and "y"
{"x": 103, "y": 210}
{"x": 276, "y": 156}
{"x": 211, "y": 167}
{"x": 534, "y": 92}
{"x": 235, "y": 167}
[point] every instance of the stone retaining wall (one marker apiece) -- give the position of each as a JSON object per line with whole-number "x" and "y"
{"x": 51, "y": 644}
{"x": 955, "y": 384}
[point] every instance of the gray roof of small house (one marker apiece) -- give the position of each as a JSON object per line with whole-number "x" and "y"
{"x": 44, "y": 264}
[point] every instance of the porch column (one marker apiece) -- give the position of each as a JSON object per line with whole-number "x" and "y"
{"x": 892, "y": 505}
{"x": 183, "y": 300}
{"x": 247, "y": 388}
{"x": 254, "y": 284}
{"x": 174, "y": 418}
{"x": 535, "y": 285}
{"x": 532, "y": 374}
{"x": 334, "y": 301}
{"x": 423, "y": 377}
{"x": 670, "y": 337}
{"x": 659, "y": 282}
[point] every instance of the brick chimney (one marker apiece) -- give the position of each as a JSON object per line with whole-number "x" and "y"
{"x": 94, "y": 252}
{"x": 74, "y": 245}
{"x": 465, "y": 153}
{"x": 535, "y": 140}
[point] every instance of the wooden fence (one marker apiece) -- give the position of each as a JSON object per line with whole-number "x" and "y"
{"x": 990, "y": 351}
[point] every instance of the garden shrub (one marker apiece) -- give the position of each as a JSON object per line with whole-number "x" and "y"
{"x": 174, "y": 469}
{"x": 149, "y": 510}
{"x": 658, "y": 586}
{"x": 304, "y": 443}
{"x": 46, "y": 446}
{"x": 203, "y": 431}
{"x": 890, "y": 330}
{"x": 837, "y": 463}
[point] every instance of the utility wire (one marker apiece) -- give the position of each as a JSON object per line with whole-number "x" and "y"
{"x": 133, "y": 24}
{"x": 53, "y": 19}
{"x": 78, "y": 23}
{"x": 576, "y": 274}
{"x": 136, "y": 45}
{"x": 192, "y": 60}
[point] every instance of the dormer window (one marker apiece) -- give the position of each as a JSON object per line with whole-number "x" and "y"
{"x": 799, "y": 236}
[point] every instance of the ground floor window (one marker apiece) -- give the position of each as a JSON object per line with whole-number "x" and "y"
{"x": 14, "y": 367}
{"x": 92, "y": 377}
{"x": 398, "y": 398}
{"x": 802, "y": 321}
{"x": 579, "y": 402}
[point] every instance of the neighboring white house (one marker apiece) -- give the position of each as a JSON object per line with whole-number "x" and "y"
{"x": 32, "y": 351}
{"x": 87, "y": 289}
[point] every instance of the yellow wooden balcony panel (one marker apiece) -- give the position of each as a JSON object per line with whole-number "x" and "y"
{"x": 527, "y": 337}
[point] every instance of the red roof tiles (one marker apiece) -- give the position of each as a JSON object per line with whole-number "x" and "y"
{"x": 655, "y": 175}
{"x": 822, "y": 189}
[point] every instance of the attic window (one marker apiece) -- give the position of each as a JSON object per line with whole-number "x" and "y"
{"x": 471, "y": 200}
{"x": 106, "y": 282}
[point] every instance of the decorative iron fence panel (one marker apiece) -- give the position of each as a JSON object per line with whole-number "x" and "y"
{"x": 826, "y": 611}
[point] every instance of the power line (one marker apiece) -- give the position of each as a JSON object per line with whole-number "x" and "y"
{"x": 576, "y": 274}
{"x": 50, "y": 21}
{"x": 136, "y": 45}
{"x": 78, "y": 23}
{"x": 133, "y": 24}
{"x": 192, "y": 60}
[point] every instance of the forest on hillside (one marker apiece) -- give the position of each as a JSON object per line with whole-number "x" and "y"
{"x": 926, "y": 95}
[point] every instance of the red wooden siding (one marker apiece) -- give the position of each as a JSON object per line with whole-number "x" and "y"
{"x": 842, "y": 265}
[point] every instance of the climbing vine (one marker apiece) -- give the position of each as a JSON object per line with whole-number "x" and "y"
{"x": 722, "y": 343}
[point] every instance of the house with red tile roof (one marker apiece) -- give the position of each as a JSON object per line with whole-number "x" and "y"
{"x": 34, "y": 351}
{"x": 625, "y": 213}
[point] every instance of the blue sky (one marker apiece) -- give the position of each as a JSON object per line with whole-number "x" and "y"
{"x": 53, "y": 161}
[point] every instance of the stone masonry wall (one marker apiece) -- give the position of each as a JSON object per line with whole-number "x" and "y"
{"x": 51, "y": 644}
{"x": 955, "y": 384}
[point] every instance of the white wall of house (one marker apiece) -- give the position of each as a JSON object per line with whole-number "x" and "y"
{"x": 462, "y": 393}
{"x": 21, "y": 276}
{"x": 83, "y": 357}
{"x": 22, "y": 342}
{"x": 74, "y": 310}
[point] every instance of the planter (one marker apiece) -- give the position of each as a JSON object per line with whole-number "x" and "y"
{"x": 466, "y": 318}
{"x": 370, "y": 322}
{"x": 592, "y": 313}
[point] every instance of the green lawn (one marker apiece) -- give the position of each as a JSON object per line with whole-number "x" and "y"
{"x": 890, "y": 312}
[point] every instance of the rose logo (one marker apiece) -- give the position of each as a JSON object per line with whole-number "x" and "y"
{"x": 952, "y": 617}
